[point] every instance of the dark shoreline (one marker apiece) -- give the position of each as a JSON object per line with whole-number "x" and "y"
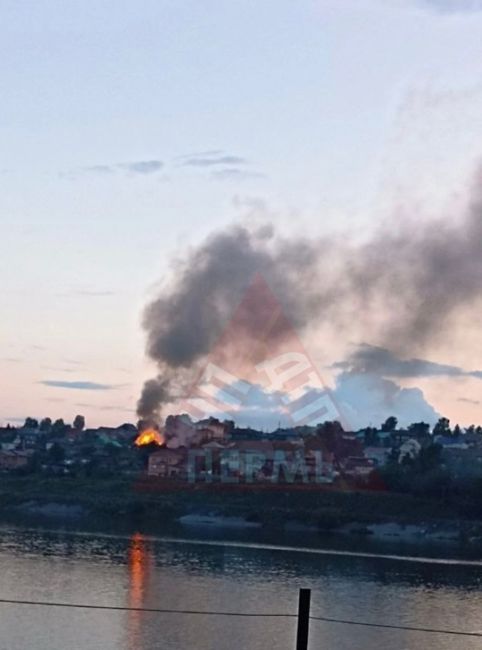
{"x": 362, "y": 518}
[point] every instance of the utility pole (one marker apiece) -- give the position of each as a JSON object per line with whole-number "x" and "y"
{"x": 303, "y": 619}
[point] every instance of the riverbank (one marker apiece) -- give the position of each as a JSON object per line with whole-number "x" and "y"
{"x": 144, "y": 504}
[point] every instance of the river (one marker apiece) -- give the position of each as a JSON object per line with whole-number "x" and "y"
{"x": 248, "y": 574}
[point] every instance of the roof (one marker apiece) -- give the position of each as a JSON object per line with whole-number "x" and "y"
{"x": 213, "y": 444}
{"x": 12, "y": 453}
{"x": 261, "y": 446}
{"x": 281, "y": 445}
{"x": 106, "y": 440}
{"x": 451, "y": 441}
{"x": 313, "y": 443}
{"x": 165, "y": 452}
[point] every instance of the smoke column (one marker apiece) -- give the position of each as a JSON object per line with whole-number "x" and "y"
{"x": 413, "y": 279}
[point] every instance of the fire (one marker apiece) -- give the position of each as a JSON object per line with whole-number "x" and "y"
{"x": 149, "y": 436}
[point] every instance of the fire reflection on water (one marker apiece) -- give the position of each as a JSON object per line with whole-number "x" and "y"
{"x": 139, "y": 561}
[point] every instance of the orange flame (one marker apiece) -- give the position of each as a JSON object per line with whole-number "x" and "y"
{"x": 149, "y": 436}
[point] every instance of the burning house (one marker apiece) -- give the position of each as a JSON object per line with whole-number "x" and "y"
{"x": 148, "y": 436}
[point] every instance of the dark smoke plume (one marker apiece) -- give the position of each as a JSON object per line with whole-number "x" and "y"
{"x": 370, "y": 359}
{"x": 403, "y": 286}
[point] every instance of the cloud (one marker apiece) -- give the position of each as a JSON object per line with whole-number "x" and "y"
{"x": 361, "y": 399}
{"x": 261, "y": 409}
{"x": 93, "y": 293}
{"x": 76, "y": 385}
{"x": 121, "y": 409}
{"x": 366, "y": 399}
{"x": 143, "y": 167}
{"x": 235, "y": 173}
{"x": 211, "y": 159}
{"x": 99, "y": 169}
{"x": 467, "y": 400}
{"x": 380, "y": 361}
{"x": 137, "y": 167}
{"x": 251, "y": 204}
{"x": 208, "y": 153}
{"x": 223, "y": 166}
{"x": 86, "y": 293}
{"x": 451, "y": 6}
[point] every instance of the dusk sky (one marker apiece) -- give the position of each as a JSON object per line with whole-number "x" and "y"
{"x": 130, "y": 131}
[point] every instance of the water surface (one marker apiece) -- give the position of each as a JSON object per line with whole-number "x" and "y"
{"x": 255, "y": 575}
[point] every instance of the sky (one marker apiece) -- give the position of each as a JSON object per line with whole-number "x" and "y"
{"x": 131, "y": 130}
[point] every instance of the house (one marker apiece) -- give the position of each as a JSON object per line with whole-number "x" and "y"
{"x": 473, "y": 439}
{"x": 316, "y": 453}
{"x": 29, "y": 437}
{"x": 452, "y": 442}
{"x": 181, "y": 428}
{"x": 378, "y": 455}
{"x": 294, "y": 434}
{"x": 247, "y": 434}
{"x": 8, "y": 438}
{"x": 211, "y": 429}
{"x": 464, "y": 462}
{"x": 125, "y": 433}
{"x": 167, "y": 462}
{"x": 358, "y": 466}
{"x": 348, "y": 445}
{"x": 385, "y": 438}
{"x": 7, "y": 432}
{"x": 262, "y": 447}
{"x": 12, "y": 460}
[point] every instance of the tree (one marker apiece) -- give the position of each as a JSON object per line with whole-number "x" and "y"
{"x": 45, "y": 425}
{"x": 442, "y": 428}
{"x": 390, "y": 424}
{"x": 419, "y": 429}
{"x": 330, "y": 434}
{"x": 88, "y": 450}
{"x": 371, "y": 436}
{"x": 79, "y": 422}
{"x": 457, "y": 431}
{"x": 30, "y": 423}
{"x": 56, "y": 453}
{"x": 58, "y": 427}
{"x": 429, "y": 458}
{"x": 114, "y": 451}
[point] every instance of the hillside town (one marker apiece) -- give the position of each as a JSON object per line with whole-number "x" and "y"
{"x": 209, "y": 450}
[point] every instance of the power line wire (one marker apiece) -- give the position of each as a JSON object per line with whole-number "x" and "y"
{"x": 156, "y": 610}
{"x": 387, "y": 626}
